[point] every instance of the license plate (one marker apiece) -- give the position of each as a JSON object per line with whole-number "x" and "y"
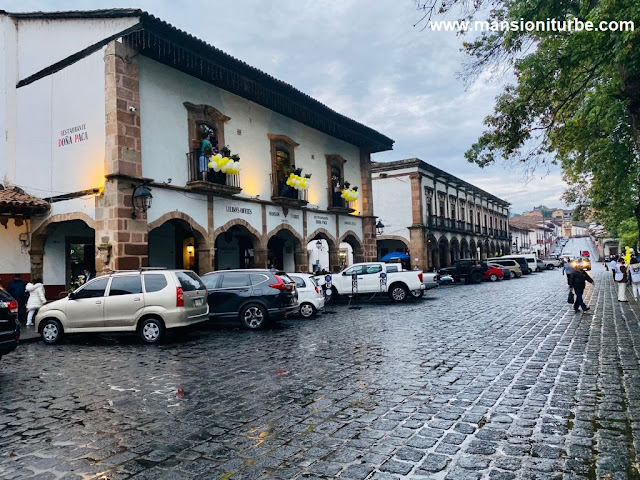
{"x": 197, "y": 302}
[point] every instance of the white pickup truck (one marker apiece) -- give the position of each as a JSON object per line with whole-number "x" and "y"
{"x": 373, "y": 277}
{"x": 552, "y": 262}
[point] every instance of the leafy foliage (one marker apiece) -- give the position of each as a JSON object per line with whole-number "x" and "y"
{"x": 575, "y": 99}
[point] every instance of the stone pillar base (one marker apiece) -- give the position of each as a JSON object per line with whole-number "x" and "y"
{"x": 418, "y": 248}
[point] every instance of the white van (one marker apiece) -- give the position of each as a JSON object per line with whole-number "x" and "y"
{"x": 531, "y": 259}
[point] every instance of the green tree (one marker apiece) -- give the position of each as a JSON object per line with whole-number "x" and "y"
{"x": 575, "y": 98}
{"x": 628, "y": 233}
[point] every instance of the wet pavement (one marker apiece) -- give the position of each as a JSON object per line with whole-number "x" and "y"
{"x": 494, "y": 381}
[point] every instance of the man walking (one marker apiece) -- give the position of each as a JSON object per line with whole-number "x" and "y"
{"x": 577, "y": 281}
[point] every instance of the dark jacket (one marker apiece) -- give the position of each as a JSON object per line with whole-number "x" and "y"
{"x": 578, "y": 279}
{"x": 16, "y": 289}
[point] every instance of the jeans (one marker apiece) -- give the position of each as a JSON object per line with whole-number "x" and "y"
{"x": 636, "y": 290}
{"x": 579, "y": 303}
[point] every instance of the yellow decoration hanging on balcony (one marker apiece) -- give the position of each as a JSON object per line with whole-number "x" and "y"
{"x": 350, "y": 194}
{"x": 224, "y": 164}
{"x": 297, "y": 182}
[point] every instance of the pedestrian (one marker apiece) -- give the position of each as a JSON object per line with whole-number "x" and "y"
{"x": 87, "y": 275}
{"x": 16, "y": 289}
{"x": 620, "y": 277}
{"x": 634, "y": 273}
{"x": 613, "y": 264}
{"x": 566, "y": 270}
{"x": 37, "y": 298}
{"x": 206, "y": 150}
{"x": 577, "y": 282}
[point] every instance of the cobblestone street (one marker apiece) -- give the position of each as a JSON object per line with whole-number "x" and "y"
{"x": 499, "y": 380}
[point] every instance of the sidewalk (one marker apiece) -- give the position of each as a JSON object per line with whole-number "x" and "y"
{"x": 28, "y": 334}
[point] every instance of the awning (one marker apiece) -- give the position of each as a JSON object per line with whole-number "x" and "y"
{"x": 15, "y": 202}
{"x": 394, "y": 255}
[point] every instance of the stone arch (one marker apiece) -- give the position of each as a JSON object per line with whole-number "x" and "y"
{"x": 473, "y": 252}
{"x": 394, "y": 237}
{"x": 492, "y": 249}
{"x": 454, "y": 249}
{"x": 464, "y": 248}
{"x": 334, "y": 248}
{"x": 299, "y": 247}
{"x": 432, "y": 252}
{"x": 257, "y": 239}
{"x": 354, "y": 241}
{"x": 203, "y": 245}
{"x": 39, "y": 237}
{"x": 443, "y": 252}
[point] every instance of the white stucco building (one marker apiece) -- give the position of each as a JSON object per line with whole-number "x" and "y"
{"x": 435, "y": 216}
{"x": 96, "y": 105}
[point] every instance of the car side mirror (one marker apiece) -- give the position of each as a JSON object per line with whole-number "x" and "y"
{"x": 72, "y": 296}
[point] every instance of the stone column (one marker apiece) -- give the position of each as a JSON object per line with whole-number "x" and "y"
{"x": 369, "y": 245}
{"x": 260, "y": 257}
{"x": 334, "y": 259}
{"x": 115, "y": 225}
{"x": 301, "y": 260}
{"x": 418, "y": 247}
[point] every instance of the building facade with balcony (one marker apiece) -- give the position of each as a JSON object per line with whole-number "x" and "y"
{"x": 436, "y": 217}
{"x": 105, "y": 114}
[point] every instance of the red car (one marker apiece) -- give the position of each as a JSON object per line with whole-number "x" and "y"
{"x": 492, "y": 274}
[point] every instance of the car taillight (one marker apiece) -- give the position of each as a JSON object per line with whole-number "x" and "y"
{"x": 13, "y": 306}
{"x": 281, "y": 285}
{"x": 179, "y": 297}
{"x": 420, "y": 277}
{"x": 317, "y": 290}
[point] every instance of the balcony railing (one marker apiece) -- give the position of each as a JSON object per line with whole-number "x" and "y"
{"x": 339, "y": 204}
{"x": 469, "y": 227}
{"x": 218, "y": 182}
{"x": 484, "y": 230}
{"x": 477, "y": 228}
{"x": 283, "y": 193}
{"x": 460, "y": 225}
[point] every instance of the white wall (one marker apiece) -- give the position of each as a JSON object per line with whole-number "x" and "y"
{"x": 165, "y": 139}
{"x": 8, "y": 80}
{"x": 13, "y": 258}
{"x": 44, "y": 42}
{"x": 72, "y": 97}
{"x": 392, "y": 204}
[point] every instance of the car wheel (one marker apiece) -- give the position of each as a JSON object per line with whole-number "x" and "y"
{"x": 150, "y": 330}
{"x": 493, "y": 277}
{"x": 417, "y": 293}
{"x": 51, "y": 331}
{"x": 307, "y": 310}
{"x": 398, "y": 293}
{"x": 253, "y": 316}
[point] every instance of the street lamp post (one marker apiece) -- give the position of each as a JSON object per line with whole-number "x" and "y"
{"x": 319, "y": 247}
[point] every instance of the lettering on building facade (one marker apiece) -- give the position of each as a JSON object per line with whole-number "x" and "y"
{"x": 72, "y": 135}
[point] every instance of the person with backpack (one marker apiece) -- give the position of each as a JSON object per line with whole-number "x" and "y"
{"x": 36, "y": 299}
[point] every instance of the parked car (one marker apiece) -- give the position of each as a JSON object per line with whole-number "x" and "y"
{"x": 254, "y": 297}
{"x": 552, "y": 261}
{"x": 469, "y": 270}
{"x": 527, "y": 262}
{"x": 446, "y": 279}
{"x": 429, "y": 279}
{"x": 506, "y": 273}
{"x": 9, "y": 326}
{"x": 509, "y": 263}
{"x": 310, "y": 294}
{"x": 374, "y": 277}
{"x": 147, "y": 301}
{"x": 493, "y": 273}
{"x": 540, "y": 265}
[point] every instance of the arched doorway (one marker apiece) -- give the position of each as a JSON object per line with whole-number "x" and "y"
{"x": 236, "y": 247}
{"x": 473, "y": 252}
{"x": 394, "y": 245}
{"x": 433, "y": 255}
{"x": 492, "y": 250}
{"x": 176, "y": 244}
{"x": 464, "y": 249}
{"x": 284, "y": 252}
{"x": 322, "y": 253}
{"x": 454, "y": 249}
{"x": 350, "y": 250}
{"x": 60, "y": 251}
{"x": 485, "y": 250}
{"x": 443, "y": 252}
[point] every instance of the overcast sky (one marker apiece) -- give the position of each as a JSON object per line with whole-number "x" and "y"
{"x": 365, "y": 60}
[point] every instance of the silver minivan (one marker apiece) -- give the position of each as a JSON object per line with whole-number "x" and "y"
{"x": 147, "y": 301}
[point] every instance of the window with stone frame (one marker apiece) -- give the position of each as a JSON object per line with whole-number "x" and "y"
{"x": 453, "y": 207}
{"x": 203, "y": 119}
{"x": 335, "y": 176}
{"x": 282, "y": 165}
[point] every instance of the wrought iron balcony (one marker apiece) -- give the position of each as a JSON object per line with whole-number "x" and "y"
{"x": 286, "y": 195}
{"x": 210, "y": 181}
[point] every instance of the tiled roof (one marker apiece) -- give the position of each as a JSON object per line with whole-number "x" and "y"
{"x": 16, "y": 201}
